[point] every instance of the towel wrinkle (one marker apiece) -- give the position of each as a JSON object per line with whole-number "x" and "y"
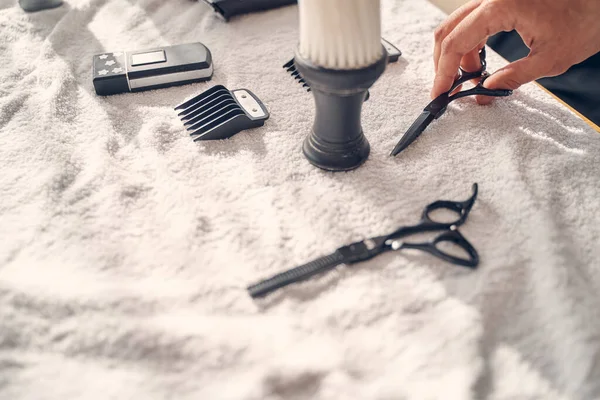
{"x": 127, "y": 247}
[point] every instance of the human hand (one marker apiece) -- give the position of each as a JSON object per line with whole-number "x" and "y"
{"x": 559, "y": 34}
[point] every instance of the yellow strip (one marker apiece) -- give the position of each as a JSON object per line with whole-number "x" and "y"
{"x": 590, "y": 123}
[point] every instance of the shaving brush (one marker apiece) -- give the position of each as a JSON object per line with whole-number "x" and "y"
{"x": 341, "y": 56}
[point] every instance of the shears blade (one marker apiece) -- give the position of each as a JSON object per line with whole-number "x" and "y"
{"x": 414, "y": 131}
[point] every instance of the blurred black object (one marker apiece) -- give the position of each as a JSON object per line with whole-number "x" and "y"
{"x": 578, "y": 87}
{"x": 38, "y": 5}
{"x": 231, "y": 8}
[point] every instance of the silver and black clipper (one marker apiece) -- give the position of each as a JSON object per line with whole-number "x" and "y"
{"x": 219, "y": 113}
{"x": 133, "y": 71}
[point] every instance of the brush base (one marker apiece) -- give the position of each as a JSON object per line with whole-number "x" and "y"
{"x": 336, "y": 157}
{"x": 336, "y": 141}
{"x": 337, "y": 144}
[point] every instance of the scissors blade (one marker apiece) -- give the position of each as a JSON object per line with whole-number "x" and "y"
{"x": 414, "y": 131}
{"x": 349, "y": 254}
{"x": 295, "y": 275}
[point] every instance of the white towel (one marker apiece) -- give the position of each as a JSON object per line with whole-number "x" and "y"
{"x": 126, "y": 248}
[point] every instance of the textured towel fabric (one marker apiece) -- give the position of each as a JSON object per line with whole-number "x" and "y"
{"x": 126, "y": 248}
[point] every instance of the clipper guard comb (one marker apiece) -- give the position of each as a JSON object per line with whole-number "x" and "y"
{"x": 393, "y": 54}
{"x": 219, "y": 113}
{"x": 291, "y": 68}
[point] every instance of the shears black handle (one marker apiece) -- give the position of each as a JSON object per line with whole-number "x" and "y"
{"x": 449, "y": 232}
{"x": 465, "y": 76}
{"x": 429, "y": 224}
{"x": 470, "y": 260}
{"x": 480, "y": 90}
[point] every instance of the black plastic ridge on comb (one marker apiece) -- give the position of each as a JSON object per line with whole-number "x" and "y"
{"x": 291, "y": 68}
{"x": 219, "y": 113}
{"x": 393, "y": 55}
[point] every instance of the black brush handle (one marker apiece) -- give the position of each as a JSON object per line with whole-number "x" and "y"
{"x": 336, "y": 141}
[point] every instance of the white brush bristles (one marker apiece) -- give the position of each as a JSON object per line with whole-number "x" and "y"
{"x": 340, "y": 34}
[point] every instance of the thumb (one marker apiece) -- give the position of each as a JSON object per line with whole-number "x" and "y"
{"x": 514, "y": 75}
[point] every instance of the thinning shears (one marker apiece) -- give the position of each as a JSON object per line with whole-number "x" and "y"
{"x": 438, "y": 106}
{"x": 369, "y": 248}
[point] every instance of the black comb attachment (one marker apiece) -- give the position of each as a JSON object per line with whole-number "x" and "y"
{"x": 219, "y": 113}
{"x": 392, "y": 51}
{"x": 291, "y": 68}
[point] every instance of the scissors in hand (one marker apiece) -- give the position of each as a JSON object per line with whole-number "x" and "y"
{"x": 438, "y": 106}
{"x": 369, "y": 248}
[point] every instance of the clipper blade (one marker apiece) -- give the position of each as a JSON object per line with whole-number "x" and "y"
{"x": 219, "y": 113}
{"x": 392, "y": 51}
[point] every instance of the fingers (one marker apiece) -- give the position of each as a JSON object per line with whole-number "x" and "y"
{"x": 465, "y": 38}
{"x": 470, "y": 62}
{"x": 515, "y": 75}
{"x": 448, "y": 26}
